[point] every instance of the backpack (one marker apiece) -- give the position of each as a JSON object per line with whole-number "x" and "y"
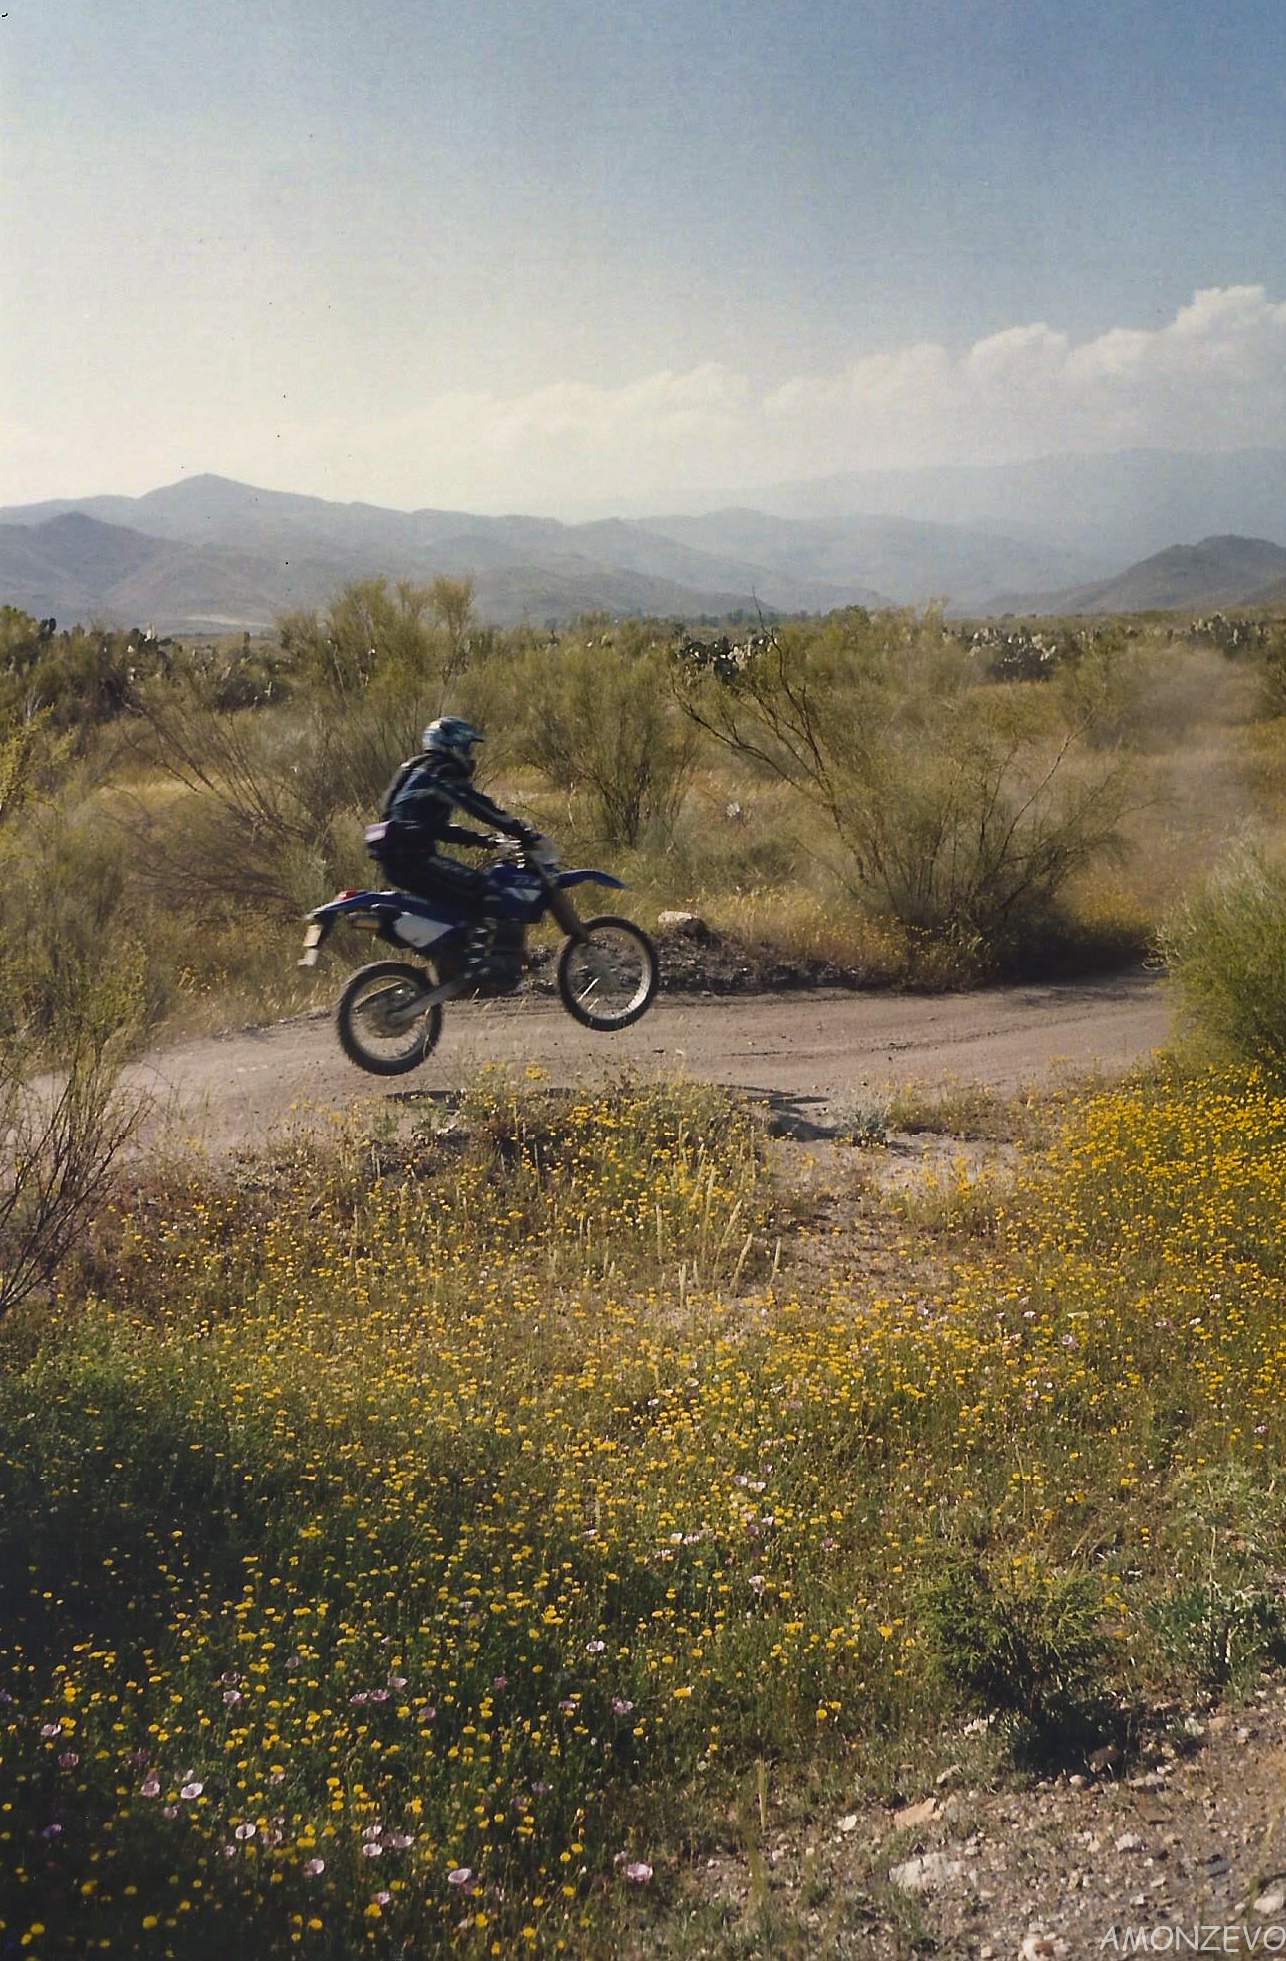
{"x": 399, "y": 779}
{"x": 382, "y": 837}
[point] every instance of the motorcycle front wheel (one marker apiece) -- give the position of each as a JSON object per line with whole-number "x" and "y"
{"x": 609, "y": 979}
{"x": 364, "y": 1018}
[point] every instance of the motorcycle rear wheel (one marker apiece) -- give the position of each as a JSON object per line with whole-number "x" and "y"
{"x": 370, "y": 993}
{"x": 609, "y": 979}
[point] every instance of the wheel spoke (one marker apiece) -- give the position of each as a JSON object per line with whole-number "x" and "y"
{"x": 371, "y": 1013}
{"x": 611, "y": 973}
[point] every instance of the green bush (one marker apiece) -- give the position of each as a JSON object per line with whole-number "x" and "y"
{"x": 597, "y": 721}
{"x": 421, "y": 637}
{"x": 961, "y": 810}
{"x": 60, "y": 1132}
{"x": 1220, "y": 1634}
{"x": 1272, "y": 675}
{"x": 1022, "y": 1643}
{"x": 1220, "y": 1620}
{"x": 1225, "y": 949}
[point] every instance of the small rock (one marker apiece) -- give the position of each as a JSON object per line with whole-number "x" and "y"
{"x": 945, "y": 1776}
{"x": 690, "y": 924}
{"x": 1076, "y": 1782}
{"x": 1042, "y": 1947}
{"x": 913, "y": 1815}
{"x": 1191, "y": 1726}
{"x": 848, "y": 1823}
{"x": 1129, "y": 1842}
{"x": 987, "y": 1952}
{"x": 1270, "y": 1902}
{"x": 930, "y": 1869}
{"x": 1245, "y": 1734}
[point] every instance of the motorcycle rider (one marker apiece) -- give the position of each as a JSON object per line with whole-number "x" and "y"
{"x": 417, "y": 815}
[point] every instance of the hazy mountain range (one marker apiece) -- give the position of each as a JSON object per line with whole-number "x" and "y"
{"x": 1228, "y": 571}
{"x": 208, "y": 554}
{"x": 1115, "y": 508}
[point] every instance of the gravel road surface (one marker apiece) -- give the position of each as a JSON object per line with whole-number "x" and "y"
{"x": 814, "y": 1050}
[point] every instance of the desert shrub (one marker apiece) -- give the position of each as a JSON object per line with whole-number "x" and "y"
{"x": 420, "y": 637}
{"x": 962, "y": 811}
{"x": 32, "y": 756}
{"x": 596, "y": 720}
{"x": 1037, "y": 650}
{"x": 1219, "y": 1634}
{"x": 270, "y": 801}
{"x": 1272, "y": 674}
{"x": 862, "y": 1121}
{"x": 246, "y": 830}
{"x": 1225, "y": 949}
{"x": 1022, "y": 1643}
{"x": 246, "y": 674}
{"x": 60, "y": 1132}
{"x": 1236, "y": 636}
{"x": 65, "y": 916}
{"x": 1221, "y": 1620}
{"x": 80, "y": 677}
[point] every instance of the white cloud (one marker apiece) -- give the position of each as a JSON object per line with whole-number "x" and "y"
{"x": 1213, "y": 376}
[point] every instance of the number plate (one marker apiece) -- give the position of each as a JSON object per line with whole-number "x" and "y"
{"x": 312, "y": 944}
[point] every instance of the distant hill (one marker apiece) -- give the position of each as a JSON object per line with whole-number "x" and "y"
{"x": 208, "y": 552}
{"x": 910, "y": 560}
{"x": 1117, "y": 506}
{"x": 79, "y": 569}
{"x": 1225, "y": 571}
{"x": 1016, "y": 537}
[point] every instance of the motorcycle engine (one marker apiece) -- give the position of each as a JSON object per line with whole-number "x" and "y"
{"x": 503, "y": 971}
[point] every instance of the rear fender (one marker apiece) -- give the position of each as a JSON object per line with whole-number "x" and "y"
{"x": 350, "y": 902}
{"x": 397, "y": 917}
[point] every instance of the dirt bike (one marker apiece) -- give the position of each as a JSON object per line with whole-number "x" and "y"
{"x": 389, "y": 1016}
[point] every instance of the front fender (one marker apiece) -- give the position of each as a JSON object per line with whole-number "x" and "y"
{"x": 588, "y": 877}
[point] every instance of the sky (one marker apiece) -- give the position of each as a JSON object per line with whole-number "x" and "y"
{"x": 548, "y": 255}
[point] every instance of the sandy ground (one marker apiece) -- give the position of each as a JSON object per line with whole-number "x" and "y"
{"x": 814, "y": 1051}
{"x": 1183, "y": 1850}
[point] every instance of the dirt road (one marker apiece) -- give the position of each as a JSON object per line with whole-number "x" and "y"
{"x": 816, "y": 1050}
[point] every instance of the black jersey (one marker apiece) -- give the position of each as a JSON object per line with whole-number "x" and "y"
{"x": 424, "y": 794}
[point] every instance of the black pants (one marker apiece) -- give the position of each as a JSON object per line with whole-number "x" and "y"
{"x": 428, "y": 875}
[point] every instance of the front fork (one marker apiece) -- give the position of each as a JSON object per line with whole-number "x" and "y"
{"x": 563, "y": 909}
